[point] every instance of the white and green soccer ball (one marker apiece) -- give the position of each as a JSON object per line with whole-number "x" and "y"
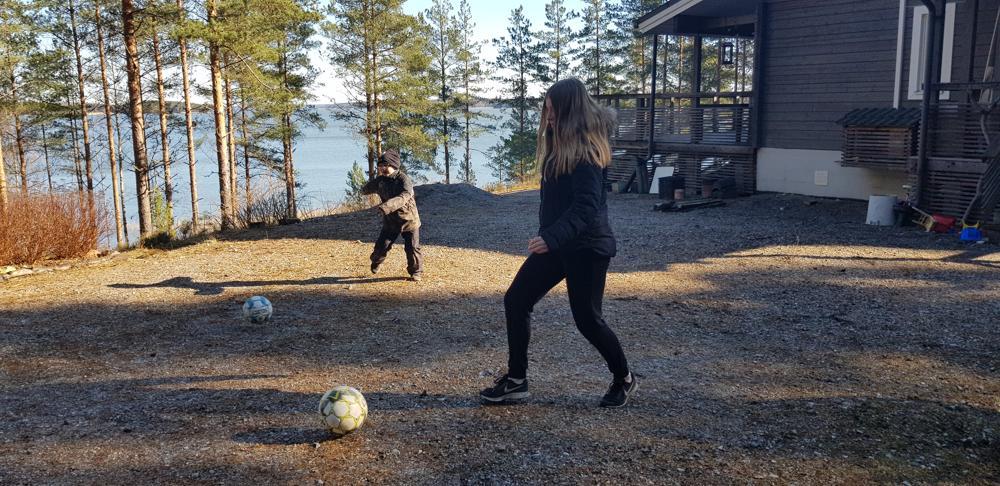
{"x": 343, "y": 410}
{"x": 257, "y": 309}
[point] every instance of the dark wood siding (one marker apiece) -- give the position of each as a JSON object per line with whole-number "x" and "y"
{"x": 984, "y": 30}
{"x": 822, "y": 59}
{"x": 962, "y": 42}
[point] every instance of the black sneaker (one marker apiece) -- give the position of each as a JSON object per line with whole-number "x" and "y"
{"x": 619, "y": 391}
{"x": 374, "y": 268}
{"x": 415, "y": 277}
{"x": 504, "y": 389}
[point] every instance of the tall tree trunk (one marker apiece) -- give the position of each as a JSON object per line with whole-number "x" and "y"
{"x": 286, "y": 142}
{"x": 377, "y": 108}
{"x": 522, "y": 112}
{"x": 188, "y": 122}
{"x": 140, "y": 163}
{"x": 77, "y": 166}
{"x": 168, "y": 184}
{"x": 230, "y": 133}
{"x": 226, "y": 204}
{"x": 370, "y": 133}
{"x": 444, "y": 121}
{"x": 467, "y": 162}
{"x": 3, "y": 176}
{"x": 84, "y": 121}
{"x": 121, "y": 166}
{"x": 370, "y": 105}
{"x": 45, "y": 152}
{"x": 116, "y": 196}
{"x": 370, "y": 122}
{"x": 443, "y": 46}
{"x": 248, "y": 189}
{"x": 19, "y": 135}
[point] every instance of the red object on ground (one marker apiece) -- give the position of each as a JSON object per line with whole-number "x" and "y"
{"x": 942, "y": 223}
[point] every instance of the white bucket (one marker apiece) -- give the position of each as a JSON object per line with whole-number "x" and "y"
{"x": 880, "y": 210}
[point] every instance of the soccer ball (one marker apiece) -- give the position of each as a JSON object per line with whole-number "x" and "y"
{"x": 257, "y": 309}
{"x": 343, "y": 410}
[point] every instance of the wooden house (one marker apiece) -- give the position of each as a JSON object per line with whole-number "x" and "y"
{"x": 837, "y": 106}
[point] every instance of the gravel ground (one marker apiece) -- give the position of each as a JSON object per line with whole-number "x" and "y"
{"x": 779, "y": 341}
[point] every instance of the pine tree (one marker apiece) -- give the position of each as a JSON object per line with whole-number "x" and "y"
{"x": 636, "y": 49}
{"x": 140, "y": 161}
{"x": 471, "y": 73}
{"x": 81, "y": 80}
{"x": 519, "y": 58}
{"x": 181, "y": 32}
{"x": 17, "y": 41}
{"x": 168, "y": 185}
{"x": 108, "y": 114}
{"x": 381, "y": 54}
{"x": 598, "y": 49}
{"x": 444, "y": 40}
{"x": 215, "y": 36}
{"x": 356, "y": 179}
{"x": 557, "y": 37}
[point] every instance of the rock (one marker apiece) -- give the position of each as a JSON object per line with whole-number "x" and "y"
{"x": 21, "y": 272}
{"x": 7, "y": 269}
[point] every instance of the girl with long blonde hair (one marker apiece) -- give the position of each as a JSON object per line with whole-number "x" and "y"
{"x": 574, "y": 241}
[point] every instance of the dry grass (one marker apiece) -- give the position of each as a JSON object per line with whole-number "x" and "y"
{"x": 517, "y": 186}
{"x": 39, "y": 227}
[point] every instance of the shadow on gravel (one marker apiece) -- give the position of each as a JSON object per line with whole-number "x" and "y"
{"x": 285, "y": 436}
{"x": 216, "y": 288}
{"x": 647, "y": 240}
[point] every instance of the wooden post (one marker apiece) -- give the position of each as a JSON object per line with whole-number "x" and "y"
{"x": 652, "y": 107}
{"x": 697, "y": 70}
{"x": 697, "y": 119}
{"x": 757, "y": 90}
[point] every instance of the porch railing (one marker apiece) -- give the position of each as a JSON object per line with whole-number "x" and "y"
{"x": 682, "y": 118}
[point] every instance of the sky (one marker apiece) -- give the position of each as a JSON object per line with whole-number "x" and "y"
{"x": 490, "y": 17}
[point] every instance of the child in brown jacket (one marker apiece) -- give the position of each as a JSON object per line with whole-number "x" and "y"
{"x": 399, "y": 214}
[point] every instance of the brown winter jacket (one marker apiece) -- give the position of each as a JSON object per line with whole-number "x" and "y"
{"x": 399, "y": 205}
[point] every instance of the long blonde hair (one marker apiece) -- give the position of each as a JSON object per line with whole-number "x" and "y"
{"x": 579, "y": 131}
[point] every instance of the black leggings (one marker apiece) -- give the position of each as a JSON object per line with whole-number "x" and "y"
{"x": 585, "y": 274}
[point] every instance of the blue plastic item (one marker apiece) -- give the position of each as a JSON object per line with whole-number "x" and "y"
{"x": 971, "y": 234}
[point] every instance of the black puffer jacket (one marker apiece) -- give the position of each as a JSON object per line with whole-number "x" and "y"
{"x": 573, "y": 215}
{"x": 399, "y": 205}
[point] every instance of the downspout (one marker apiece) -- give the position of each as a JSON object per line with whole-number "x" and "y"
{"x": 972, "y": 48}
{"x": 929, "y": 94}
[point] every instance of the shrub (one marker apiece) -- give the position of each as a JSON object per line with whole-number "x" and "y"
{"x": 38, "y": 227}
{"x": 266, "y": 210}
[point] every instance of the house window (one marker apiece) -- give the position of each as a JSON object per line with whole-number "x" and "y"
{"x": 919, "y": 46}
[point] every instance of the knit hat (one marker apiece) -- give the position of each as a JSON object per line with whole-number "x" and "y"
{"x": 390, "y": 158}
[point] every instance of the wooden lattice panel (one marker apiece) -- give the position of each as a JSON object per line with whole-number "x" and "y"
{"x": 955, "y": 130}
{"x": 887, "y": 148}
{"x": 949, "y": 186}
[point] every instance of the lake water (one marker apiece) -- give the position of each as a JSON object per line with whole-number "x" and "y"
{"x": 322, "y": 158}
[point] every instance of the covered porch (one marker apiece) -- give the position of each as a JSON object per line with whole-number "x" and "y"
{"x": 699, "y": 113}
